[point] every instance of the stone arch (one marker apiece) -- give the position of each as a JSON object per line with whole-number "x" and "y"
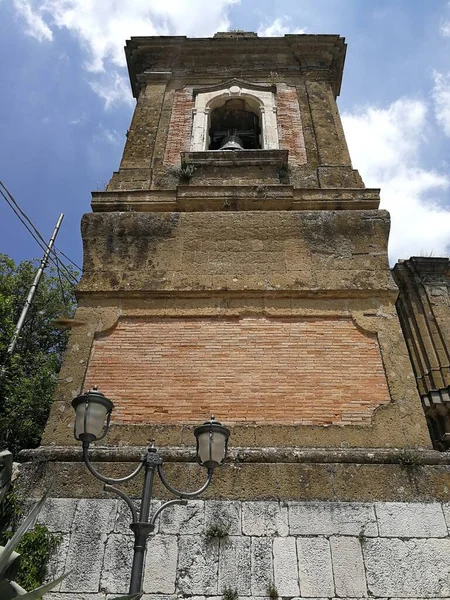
{"x": 259, "y": 98}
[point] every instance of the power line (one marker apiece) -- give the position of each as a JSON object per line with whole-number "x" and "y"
{"x": 61, "y": 287}
{"x": 36, "y": 239}
{"x": 39, "y": 239}
{"x": 12, "y": 199}
{"x": 67, "y": 258}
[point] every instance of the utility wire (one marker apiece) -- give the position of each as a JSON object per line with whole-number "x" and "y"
{"x": 61, "y": 287}
{"x": 67, "y": 258}
{"x": 36, "y": 239}
{"x": 41, "y": 241}
{"x": 11, "y": 197}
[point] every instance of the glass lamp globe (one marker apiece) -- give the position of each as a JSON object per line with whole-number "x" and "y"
{"x": 92, "y": 415}
{"x": 212, "y": 443}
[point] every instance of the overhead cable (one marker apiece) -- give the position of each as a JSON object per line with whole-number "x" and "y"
{"x": 37, "y": 235}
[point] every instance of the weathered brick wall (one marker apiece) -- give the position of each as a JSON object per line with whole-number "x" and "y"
{"x": 180, "y": 126}
{"x": 288, "y": 119}
{"x": 290, "y": 129}
{"x": 304, "y": 549}
{"x": 309, "y": 371}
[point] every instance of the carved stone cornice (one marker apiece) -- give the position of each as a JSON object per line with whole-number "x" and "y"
{"x": 226, "y": 55}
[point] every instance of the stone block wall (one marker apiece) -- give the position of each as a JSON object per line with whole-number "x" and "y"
{"x": 304, "y": 549}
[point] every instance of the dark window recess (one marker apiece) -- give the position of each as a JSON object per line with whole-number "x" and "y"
{"x": 235, "y": 125}
{"x": 438, "y": 419}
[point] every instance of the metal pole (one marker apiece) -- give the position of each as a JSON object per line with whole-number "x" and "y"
{"x": 143, "y": 528}
{"x": 33, "y": 288}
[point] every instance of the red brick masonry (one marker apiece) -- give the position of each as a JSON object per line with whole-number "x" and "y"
{"x": 180, "y": 127}
{"x": 288, "y": 119}
{"x": 178, "y": 370}
{"x": 290, "y": 129}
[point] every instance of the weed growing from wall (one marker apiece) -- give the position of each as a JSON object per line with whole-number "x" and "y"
{"x": 229, "y": 593}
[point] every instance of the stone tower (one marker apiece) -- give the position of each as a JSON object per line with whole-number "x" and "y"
{"x": 236, "y": 264}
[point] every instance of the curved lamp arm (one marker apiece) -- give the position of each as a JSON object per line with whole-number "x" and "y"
{"x": 185, "y": 494}
{"x": 110, "y": 488}
{"x": 98, "y": 475}
{"x": 166, "y": 505}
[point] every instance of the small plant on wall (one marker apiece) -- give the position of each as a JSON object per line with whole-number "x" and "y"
{"x": 229, "y": 593}
{"x": 184, "y": 172}
{"x": 272, "y": 591}
{"x": 217, "y": 531}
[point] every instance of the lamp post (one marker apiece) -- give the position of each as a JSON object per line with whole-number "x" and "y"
{"x": 92, "y": 418}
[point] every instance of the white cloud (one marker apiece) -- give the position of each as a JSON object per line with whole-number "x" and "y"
{"x": 34, "y": 23}
{"x": 384, "y": 144}
{"x": 445, "y": 28}
{"x": 278, "y": 28}
{"x": 101, "y": 27}
{"x": 445, "y": 25}
{"x": 108, "y": 136}
{"x": 441, "y": 98}
{"x": 113, "y": 88}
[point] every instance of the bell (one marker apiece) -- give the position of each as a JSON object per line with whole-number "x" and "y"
{"x": 232, "y": 142}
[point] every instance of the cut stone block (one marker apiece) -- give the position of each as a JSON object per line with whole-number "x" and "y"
{"x": 158, "y": 597}
{"x": 56, "y": 566}
{"x": 446, "y": 511}
{"x": 348, "y": 567}
{"x": 285, "y": 567}
{"x": 57, "y": 514}
{"x": 406, "y": 519}
{"x": 84, "y": 561}
{"x": 116, "y": 570}
{"x": 198, "y": 566}
{"x": 161, "y": 565}
{"x": 235, "y": 565}
{"x": 72, "y": 596}
{"x": 314, "y": 567}
{"x": 264, "y": 518}
{"x": 408, "y": 568}
{"x": 332, "y": 518}
{"x": 95, "y": 516}
{"x": 261, "y": 565}
{"x": 226, "y": 514}
{"x": 124, "y": 518}
{"x": 189, "y": 519}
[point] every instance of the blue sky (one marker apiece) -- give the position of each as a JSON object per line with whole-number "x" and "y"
{"x": 65, "y": 103}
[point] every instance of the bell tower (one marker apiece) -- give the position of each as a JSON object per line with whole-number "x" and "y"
{"x": 237, "y": 265}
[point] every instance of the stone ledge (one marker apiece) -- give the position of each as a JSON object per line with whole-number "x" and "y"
{"x": 236, "y": 158}
{"x": 345, "y": 482}
{"x": 192, "y": 198}
{"x": 370, "y": 456}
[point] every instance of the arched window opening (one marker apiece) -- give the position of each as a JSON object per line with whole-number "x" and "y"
{"x": 234, "y": 126}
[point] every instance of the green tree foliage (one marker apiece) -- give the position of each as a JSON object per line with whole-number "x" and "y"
{"x": 28, "y": 378}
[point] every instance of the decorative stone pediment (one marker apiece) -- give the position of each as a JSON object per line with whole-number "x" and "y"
{"x": 241, "y": 83}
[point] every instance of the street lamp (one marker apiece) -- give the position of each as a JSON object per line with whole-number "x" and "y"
{"x": 92, "y": 417}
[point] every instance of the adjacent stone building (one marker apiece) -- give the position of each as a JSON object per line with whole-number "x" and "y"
{"x": 237, "y": 264}
{"x": 424, "y": 309}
